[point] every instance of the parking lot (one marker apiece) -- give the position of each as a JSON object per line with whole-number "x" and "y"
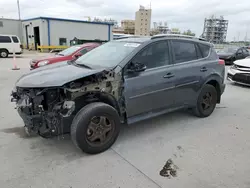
{"x": 211, "y": 152}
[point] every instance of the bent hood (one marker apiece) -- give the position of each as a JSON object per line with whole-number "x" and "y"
{"x": 54, "y": 75}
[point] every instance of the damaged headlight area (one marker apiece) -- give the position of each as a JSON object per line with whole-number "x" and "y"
{"x": 43, "y": 110}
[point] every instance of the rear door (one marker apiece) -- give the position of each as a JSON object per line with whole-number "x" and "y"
{"x": 6, "y": 43}
{"x": 189, "y": 65}
{"x": 16, "y": 44}
{"x": 151, "y": 90}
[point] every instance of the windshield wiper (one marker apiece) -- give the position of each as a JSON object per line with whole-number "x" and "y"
{"x": 60, "y": 54}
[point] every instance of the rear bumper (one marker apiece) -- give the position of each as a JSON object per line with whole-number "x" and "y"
{"x": 228, "y": 61}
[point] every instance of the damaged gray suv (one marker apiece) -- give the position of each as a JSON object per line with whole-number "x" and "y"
{"x": 122, "y": 81}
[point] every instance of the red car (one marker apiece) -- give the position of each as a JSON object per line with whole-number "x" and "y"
{"x": 68, "y": 54}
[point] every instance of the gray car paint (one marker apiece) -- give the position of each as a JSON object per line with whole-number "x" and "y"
{"x": 147, "y": 93}
{"x": 54, "y": 75}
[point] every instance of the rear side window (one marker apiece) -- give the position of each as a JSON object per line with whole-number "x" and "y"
{"x": 15, "y": 39}
{"x": 184, "y": 51}
{"x": 205, "y": 49}
{"x": 5, "y": 39}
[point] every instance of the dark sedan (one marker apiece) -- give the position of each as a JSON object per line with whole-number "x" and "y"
{"x": 231, "y": 54}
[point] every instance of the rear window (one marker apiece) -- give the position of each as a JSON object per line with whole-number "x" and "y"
{"x": 205, "y": 49}
{"x": 5, "y": 39}
{"x": 15, "y": 39}
{"x": 184, "y": 51}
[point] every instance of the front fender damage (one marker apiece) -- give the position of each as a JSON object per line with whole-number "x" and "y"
{"x": 50, "y": 111}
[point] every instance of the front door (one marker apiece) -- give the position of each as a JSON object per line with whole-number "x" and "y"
{"x": 152, "y": 89}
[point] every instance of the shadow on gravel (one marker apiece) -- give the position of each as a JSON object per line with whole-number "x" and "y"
{"x": 19, "y": 131}
{"x": 63, "y": 145}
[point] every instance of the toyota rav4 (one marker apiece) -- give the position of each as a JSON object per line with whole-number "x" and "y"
{"x": 120, "y": 82}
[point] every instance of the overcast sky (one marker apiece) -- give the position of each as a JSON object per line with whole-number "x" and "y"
{"x": 184, "y": 14}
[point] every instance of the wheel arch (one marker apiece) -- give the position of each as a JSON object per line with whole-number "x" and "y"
{"x": 215, "y": 81}
{"x": 98, "y": 97}
{"x": 4, "y": 49}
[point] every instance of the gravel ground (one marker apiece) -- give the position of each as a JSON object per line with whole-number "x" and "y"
{"x": 207, "y": 153}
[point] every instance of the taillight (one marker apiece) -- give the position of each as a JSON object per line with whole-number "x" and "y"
{"x": 21, "y": 46}
{"x": 221, "y": 62}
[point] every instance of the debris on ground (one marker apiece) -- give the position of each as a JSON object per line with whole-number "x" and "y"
{"x": 169, "y": 170}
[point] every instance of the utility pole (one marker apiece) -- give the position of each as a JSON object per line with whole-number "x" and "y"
{"x": 18, "y": 7}
{"x": 20, "y": 22}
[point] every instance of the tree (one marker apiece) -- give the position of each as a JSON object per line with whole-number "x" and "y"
{"x": 175, "y": 31}
{"x": 188, "y": 32}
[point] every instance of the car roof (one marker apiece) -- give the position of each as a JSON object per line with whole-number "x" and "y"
{"x": 134, "y": 39}
{"x": 143, "y": 39}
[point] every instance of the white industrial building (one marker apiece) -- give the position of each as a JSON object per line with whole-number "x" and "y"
{"x": 56, "y": 31}
{"x": 10, "y": 27}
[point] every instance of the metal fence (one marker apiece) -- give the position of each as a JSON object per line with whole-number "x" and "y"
{"x": 221, "y": 46}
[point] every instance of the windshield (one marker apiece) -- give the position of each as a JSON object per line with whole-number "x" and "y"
{"x": 109, "y": 54}
{"x": 69, "y": 50}
{"x": 228, "y": 50}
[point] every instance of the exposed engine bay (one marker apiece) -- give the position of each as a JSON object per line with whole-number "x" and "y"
{"x": 50, "y": 111}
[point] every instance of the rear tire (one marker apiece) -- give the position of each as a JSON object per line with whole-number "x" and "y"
{"x": 4, "y": 53}
{"x": 206, "y": 102}
{"x": 83, "y": 133}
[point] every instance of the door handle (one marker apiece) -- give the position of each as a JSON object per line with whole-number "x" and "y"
{"x": 203, "y": 69}
{"x": 168, "y": 75}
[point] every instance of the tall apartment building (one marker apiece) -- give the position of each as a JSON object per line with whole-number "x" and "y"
{"x": 215, "y": 29}
{"x": 143, "y": 21}
{"x": 128, "y": 26}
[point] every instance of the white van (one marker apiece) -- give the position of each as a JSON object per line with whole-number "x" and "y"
{"x": 9, "y": 44}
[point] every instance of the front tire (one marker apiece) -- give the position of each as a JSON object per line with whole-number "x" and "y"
{"x": 4, "y": 53}
{"x": 95, "y": 127}
{"x": 206, "y": 101}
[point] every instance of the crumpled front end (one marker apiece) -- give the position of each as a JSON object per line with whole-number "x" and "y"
{"x": 49, "y": 111}
{"x": 43, "y": 111}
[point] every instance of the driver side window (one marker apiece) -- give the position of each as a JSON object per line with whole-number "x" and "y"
{"x": 83, "y": 51}
{"x": 154, "y": 55}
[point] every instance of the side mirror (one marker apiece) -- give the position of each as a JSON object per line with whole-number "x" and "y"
{"x": 136, "y": 67}
{"x": 77, "y": 55}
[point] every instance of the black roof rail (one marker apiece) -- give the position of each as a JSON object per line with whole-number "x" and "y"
{"x": 177, "y": 36}
{"x": 126, "y": 37}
